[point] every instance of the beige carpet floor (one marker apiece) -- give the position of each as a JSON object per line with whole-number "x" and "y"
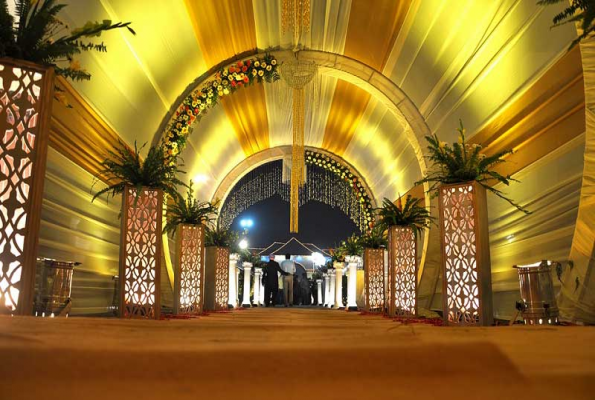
{"x": 290, "y": 354}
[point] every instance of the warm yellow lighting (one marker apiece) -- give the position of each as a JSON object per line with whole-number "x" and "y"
{"x": 200, "y": 179}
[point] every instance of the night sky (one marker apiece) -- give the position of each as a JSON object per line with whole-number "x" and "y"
{"x": 319, "y": 224}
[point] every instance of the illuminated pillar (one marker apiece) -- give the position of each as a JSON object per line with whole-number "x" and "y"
{"x": 189, "y": 276}
{"x": 319, "y": 294}
{"x": 246, "y": 299}
{"x": 26, "y": 96}
{"x": 339, "y": 266}
{"x": 140, "y": 253}
{"x": 233, "y": 288}
{"x": 374, "y": 279}
{"x": 466, "y": 269}
{"x": 402, "y": 250}
{"x": 261, "y": 290}
{"x": 353, "y": 262}
{"x": 257, "y": 272}
{"x": 331, "y": 295}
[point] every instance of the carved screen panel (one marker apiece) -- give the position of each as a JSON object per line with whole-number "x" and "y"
{"x": 403, "y": 264}
{"x": 23, "y": 142}
{"x": 222, "y": 279}
{"x": 374, "y": 273}
{"x": 140, "y": 261}
{"x": 461, "y": 285}
{"x": 191, "y": 269}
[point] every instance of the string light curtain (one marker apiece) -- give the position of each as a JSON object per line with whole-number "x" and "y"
{"x": 266, "y": 181}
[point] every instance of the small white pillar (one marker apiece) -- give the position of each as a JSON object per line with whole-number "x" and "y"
{"x": 331, "y": 295}
{"x": 352, "y": 263}
{"x": 246, "y": 299}
{"x": 327, "y": 289}
{"x": 257, "y": 274}
{"x": 237, "y": 299}
{"x": 339, "y": 285}
{"x": 233, "y": 289}
{"x": 319, "y": 295}
{"x": 261, "y": 290}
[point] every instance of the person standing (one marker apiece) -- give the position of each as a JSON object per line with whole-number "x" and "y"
{"x": 288, "y": 266}
{"x": 270, "y": 280}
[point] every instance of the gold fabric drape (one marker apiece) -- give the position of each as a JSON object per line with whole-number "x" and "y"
{"x": 223, "y": 29}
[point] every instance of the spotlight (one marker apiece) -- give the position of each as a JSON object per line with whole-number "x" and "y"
{"x": 246, "y": 223}
{"x": 200, "y": 178}
{"x": 243, "y": 244}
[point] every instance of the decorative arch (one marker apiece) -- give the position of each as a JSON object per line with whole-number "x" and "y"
{"x": 346, "y": 175}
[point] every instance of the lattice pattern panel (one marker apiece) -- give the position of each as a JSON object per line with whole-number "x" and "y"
{"x": 191, "y": 269}
{"x": 222, "y": 279}
{"x": 403, "y": 264}
{"x": 20, "y": 107}
{"x": 460, "y": 254}
{"x": 141, "y": 261}
{"x": 374, "y": 270}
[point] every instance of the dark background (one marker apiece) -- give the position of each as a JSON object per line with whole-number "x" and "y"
{"x": 319, "y": 223}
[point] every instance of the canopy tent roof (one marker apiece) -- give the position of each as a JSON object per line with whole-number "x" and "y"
{"x": 294, "y": 247}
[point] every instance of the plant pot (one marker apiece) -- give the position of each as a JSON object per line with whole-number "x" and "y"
{"x": 466, "y": 270}
{"x": 537, "y": 293}
{"x": 140, "y": 253}
{"x": 217, "y": 279}
{"x": 26, "y": 94}
{"x": 374, "y": 279}
{"x": 189, "y": 270}
{"x": 402, "y": 255}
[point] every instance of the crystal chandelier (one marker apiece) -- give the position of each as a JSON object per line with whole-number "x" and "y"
{"x": 295, "y": 17}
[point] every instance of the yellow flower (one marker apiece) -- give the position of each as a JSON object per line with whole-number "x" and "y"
{"x": 263, "y": 65}
{"x": 219, "y": 88}
{"x": 214, "y": 84}
{"x": 225, "y": 73}
{"x": 225, "y": 82}
{"x": 274, "y": 62}
{"x": 226, "y": 91}
{"x": 220, "y": 93}
{"x": 254, "y": 72}
{"x": 442, "y": 144}
{"x": 209, "y": 101}
{"x": 202, "y": 107}
{"x": 269, "y": 67}
{"x": 260, "y": 73}
{"x": 174, "y": 151}
{"x": 256, "y": 63}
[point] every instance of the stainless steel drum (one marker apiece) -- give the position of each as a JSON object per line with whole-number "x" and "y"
{"x": 54, "y": 285}
{"x": 538, "y": 305}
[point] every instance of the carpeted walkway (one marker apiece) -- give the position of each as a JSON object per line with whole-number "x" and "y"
{"x": 290, "y": 354}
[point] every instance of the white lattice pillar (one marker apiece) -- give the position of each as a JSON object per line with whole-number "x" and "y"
{"x": 189, "y": 278}
{"x": 466, "y": 269}
{"x": 319, "y": 293}
{"x": 402, "y": 253}
{"x": 352, "y": 263}
{"x": 339, "y": 266}
{"x": 232, "y": 301}
{"x": 26, "y": 97}
{"x": 374, "y": 279}
{"x": 257, "y": 272}
{"x": 333, "y": 282}
{"x": 246, "y": 299}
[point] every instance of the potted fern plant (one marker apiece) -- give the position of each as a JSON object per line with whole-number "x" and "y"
{"x": 374, "y": 243}
{"x": 353, "y": 249}
{"x": 190, "y": 216}
{"x": 219, "y": 243}
{"x": 404, "y": 223}
{"x": 142, "y": 184}
{"x": 461, "y": 175}
{"x": 29, "y": 50}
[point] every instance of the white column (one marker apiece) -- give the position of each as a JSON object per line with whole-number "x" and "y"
{"x": 261, "y": 290}
{"x": 353, "y": 262}
{"x": 327, "y": 289}
{"x": 319, "y": 296}
{"x": 339, "y": 285}
{"x": 331, "y": 294}
{"x": 233, "y": 289}
{"x": 246, "y": 300}
{"x": 257, "y": 276}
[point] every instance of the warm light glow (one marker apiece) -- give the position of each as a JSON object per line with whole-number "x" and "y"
{"x": 243, "y": 244}
{"x": 318, "y": 258}
{"x": 200, "y": 179}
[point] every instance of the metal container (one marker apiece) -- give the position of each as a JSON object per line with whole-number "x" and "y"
{"x": 538, "y": 306}
{"x": 54, "y": 286}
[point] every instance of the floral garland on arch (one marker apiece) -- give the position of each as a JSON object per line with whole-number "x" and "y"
{"x": 197, "y": 104}
{"x": 326, "y": 162}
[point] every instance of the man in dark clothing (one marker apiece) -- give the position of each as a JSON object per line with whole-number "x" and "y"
{"x": 270, "y": 280}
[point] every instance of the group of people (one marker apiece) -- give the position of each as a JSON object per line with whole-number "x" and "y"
{"x": 270, "y": 280}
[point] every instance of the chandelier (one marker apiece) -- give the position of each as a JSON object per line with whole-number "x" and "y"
{"x": 295, "y": 17}
{"x": 297, "y": 74}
